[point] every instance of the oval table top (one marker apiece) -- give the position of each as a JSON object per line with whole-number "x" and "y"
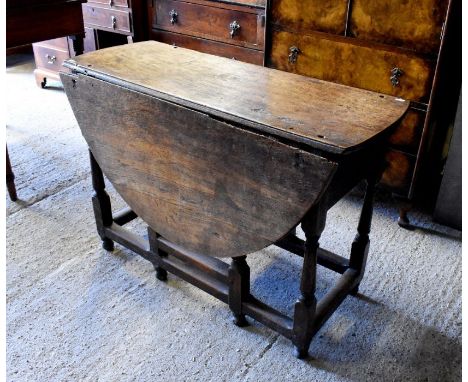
{"x": 331, "y": 117}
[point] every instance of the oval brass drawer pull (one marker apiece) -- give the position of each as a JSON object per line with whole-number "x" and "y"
{"x": 173, "y": 14}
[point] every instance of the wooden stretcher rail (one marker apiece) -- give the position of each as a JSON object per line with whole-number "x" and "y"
{"x": 193, "y": 269}
{"x": 212, "y": 275}
{"x": 330, "y": 260}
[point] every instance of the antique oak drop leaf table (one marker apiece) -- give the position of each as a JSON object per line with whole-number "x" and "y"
{"x": 221, "y": 159}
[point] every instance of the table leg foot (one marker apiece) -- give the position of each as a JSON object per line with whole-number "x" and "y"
{"x": 354, "y": 291}
{"x": 405, "y": 206}
{"x": 301, "y": 353}
{"x": 403, "y": 220}
{"x": 240, "y": 321}
{"x": 161, "y": 274}
{"x": 108, "y": 244}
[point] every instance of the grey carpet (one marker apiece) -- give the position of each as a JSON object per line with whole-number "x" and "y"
{"x": 77, "y": 313}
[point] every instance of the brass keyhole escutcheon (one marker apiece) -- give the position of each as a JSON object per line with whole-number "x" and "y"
{"x": 396, "y": 73}
{"x": 293, "y": 53}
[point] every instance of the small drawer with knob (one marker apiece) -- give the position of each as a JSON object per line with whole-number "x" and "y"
{"x": 110, "y": 3}
{"x": 392, "y": 71}
{"x": 236, "y": 25}
{"x": 49, "y": 58}
{"x": 114, "y": 20}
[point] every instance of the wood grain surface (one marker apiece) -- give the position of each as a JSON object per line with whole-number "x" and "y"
{"x": 331, "y": 117}
{"x": 415, "y": 25}
{"x": 408, "y": 133}
{"x": 240, "y": 53}
{"x": 399, "y": 172}
{"x": 365, "y": 66}
{"x": 199, "y": 182}
{"x": 299, "y": 15}
{"x": 203, "y": 20}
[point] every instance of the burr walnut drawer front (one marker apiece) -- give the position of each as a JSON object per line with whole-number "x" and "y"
{"x": 407, "y": 135}
{"x": 391, "y": 71}
{"x": 414, "y": 25}
{"x": 317, "y": 15}
{"x": 211, "y": 47}
{"x": 236, "y": 25}
{"x": 399, "y": 172}
{"x": 106, "y": 18}
{"x": 49, "y": 58}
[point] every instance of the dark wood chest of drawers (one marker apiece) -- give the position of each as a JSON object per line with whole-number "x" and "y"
{"x": 106, "y": 23}
{"x": 233, "y": 30}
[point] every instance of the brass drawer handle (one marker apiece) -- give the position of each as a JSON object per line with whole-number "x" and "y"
{"x": 395, "y": 77}
{"x": 293, "y": 53}
{"x": 174, "y": 15}
{"x": 233, "y": 28}
{"x": 114, "y": 22}
{"x": 50, "y": 59}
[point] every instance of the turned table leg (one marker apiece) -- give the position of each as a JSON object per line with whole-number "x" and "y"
{"x": 239, "y": 288}
{"x": 10, "y": 179}
{"x": 360, "y": 246}
{"x": 101, "y": 204}
{"x": 305, "y": 307}
{"x": 161, "y": 273}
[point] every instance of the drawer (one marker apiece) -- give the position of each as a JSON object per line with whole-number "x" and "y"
{"x": 211, "y": 22}
{"x": 49, "y": 58}
{"x": 411, "y": 24}
{"x": 407, "y": 135}
{"x": 56, "y": 43}
{"x": 111, "y": 3}
{"x": 399, "y": 172}
{"x": 346, "y": 61}
{"x": 211, "y": 47}
{"x": 107, "y": 19}
{"x": 318, "y": 15}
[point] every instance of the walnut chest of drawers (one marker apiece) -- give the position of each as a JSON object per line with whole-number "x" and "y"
{"x": 392, "y": 47}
